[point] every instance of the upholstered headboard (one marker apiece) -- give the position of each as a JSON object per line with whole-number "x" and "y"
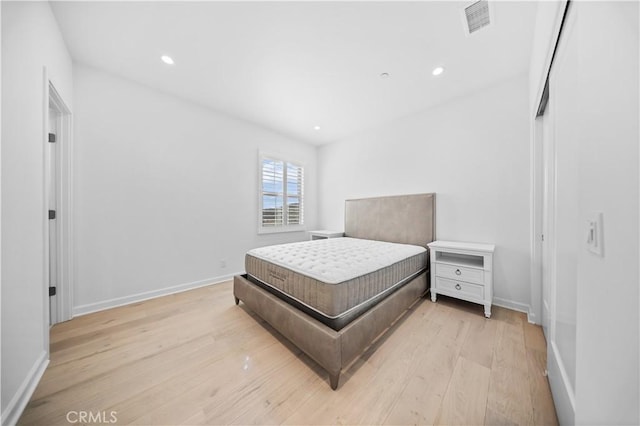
{"x": 407, "y": 219}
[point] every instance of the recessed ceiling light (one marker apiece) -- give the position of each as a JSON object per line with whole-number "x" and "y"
{"x": 437, "y": 71}
{"x": 316, "y": 127}
{"x": 167, "y": 59}
{"x": 384, "y": 75}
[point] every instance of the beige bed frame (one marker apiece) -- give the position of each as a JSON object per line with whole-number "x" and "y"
{"x": 408, "y": 219}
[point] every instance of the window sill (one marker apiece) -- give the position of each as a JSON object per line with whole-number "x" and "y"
{"x": 280, "y": 229}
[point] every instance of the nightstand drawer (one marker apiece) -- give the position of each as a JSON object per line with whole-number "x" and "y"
{"x": 460, "y": 273}
{"x": 459, "y": 287}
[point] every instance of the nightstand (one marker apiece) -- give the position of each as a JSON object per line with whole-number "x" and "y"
{"x": 464, "y": 271}
{"x": 323, "y": 234}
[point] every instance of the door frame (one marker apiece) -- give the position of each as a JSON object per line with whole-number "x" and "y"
{"x": 64, "y": 209}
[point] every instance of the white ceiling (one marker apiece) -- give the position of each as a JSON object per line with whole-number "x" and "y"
{"x": 291, "y": 66}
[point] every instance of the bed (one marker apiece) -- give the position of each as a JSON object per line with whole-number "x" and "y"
{"x": 332, "y": 314}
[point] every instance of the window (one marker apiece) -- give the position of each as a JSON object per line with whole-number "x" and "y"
{"x": 281, "y": 195}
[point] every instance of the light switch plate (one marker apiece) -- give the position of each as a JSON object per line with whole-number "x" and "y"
{"x": 594, "y": 235}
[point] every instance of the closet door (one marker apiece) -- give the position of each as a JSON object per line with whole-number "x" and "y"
{"x": 562, "y": 213}
{"x": 594, "y": 320}
{"x": 548, "y": 200}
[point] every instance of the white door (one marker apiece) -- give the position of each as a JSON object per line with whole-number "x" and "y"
{"x": 548, "y": 193}
{"x": 564, "y": 211}
{"x": 560, "y": 223}
{"x": 58, "y": 197}
{"x": 52, "y": 143}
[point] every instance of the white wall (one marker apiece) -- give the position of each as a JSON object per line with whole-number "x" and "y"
{"x": 473, "y": 152}
{"x": 608, "y": 331}
{"x": 164, "y": 191}
{"x": 30, "y": 41}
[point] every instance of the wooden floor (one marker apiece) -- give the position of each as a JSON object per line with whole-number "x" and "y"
{"x": 197, "y": 358}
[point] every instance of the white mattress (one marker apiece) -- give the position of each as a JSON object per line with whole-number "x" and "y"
{"x": 336, "y": 260}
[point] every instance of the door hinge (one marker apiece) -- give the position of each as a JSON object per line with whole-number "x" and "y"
{"x": 542, "y": 237}
{"x": 52, "y": 138}
{"x": 52, "y": 291}
{"x": 52, "y": 214}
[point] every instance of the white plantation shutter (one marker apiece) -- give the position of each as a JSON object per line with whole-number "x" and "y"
{"x": 282, "y": 194}
{"x": 272, "y": 193}
{"x": 295, "y": 183}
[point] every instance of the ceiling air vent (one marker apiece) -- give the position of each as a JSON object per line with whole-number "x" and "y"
{"x": 477, "y": 16}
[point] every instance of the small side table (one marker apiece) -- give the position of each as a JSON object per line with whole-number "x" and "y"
{"x": 464, "y": 271}
{"x": 324, "y": 234}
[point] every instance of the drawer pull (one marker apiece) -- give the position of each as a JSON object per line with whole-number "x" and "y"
{"x": 458, "y": 272}
{"x": 458, "y": 287}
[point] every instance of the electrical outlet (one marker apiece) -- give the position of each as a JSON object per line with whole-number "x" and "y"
{"x": 223, "y": 263}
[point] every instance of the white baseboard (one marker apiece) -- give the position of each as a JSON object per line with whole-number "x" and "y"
{"x": 510, "y": 304}
{"x": 561, "y": 391}
{"x": 139, "y": 297}
{"x": 16, "y": 406}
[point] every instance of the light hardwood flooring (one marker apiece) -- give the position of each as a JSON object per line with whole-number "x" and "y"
{"x": 197, "y": 358}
